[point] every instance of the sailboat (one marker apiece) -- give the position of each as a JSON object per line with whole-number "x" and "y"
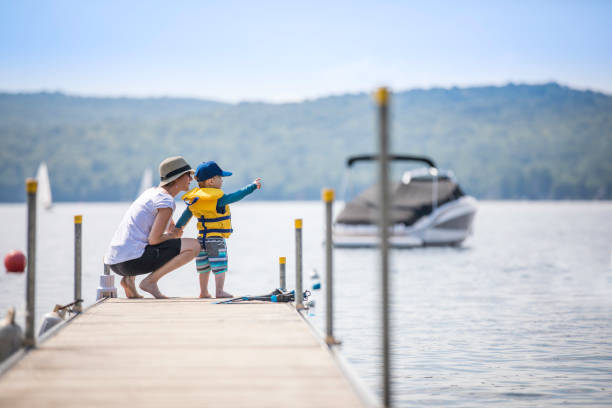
{"x": 146, "y": 182}
{"x": 44, "y": 199}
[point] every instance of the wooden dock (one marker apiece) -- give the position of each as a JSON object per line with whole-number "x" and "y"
{"x": 180, "y": 353}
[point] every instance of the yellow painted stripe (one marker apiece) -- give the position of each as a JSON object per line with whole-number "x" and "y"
{"x": 298, "y": 223}
{"x": 282, "y": 260}
{"x": 328, "y": 195}
{"x": 382, "y": 96}
{"x": 78, "y": 219}
{"x": 31, "y": 185}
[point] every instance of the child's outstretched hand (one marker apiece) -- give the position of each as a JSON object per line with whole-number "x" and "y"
{"x": 258, "y": 182}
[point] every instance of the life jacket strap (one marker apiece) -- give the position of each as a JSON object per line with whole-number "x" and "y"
{"x": 209, "y": 230}
{"x": 191, "y": 202}
{"x": 226, "y": 217}
{"x": 205, "y": 231}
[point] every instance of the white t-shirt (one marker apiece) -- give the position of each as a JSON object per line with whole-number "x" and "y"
{"x": 132, "y": 236}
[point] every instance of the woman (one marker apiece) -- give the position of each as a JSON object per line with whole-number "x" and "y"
{"x": 147, "y": 240}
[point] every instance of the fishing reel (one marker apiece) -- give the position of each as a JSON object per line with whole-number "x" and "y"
{"x": 281, "y": 296}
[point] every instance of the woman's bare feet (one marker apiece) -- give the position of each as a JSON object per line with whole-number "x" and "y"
{"x": 205, "y": 295}
{"x": 151, "y": 287}
{"x": 128, "y": 284}
{"x": 223, "y": 294}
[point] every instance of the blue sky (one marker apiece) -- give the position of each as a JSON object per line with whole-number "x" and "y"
{"x": 288, "y": 51}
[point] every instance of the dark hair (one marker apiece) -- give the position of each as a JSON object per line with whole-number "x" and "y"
{"x": 173, "y": 182}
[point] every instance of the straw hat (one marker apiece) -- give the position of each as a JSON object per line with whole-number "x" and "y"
{"x": 172, "y": 168}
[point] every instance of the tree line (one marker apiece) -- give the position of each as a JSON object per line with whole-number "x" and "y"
{"x": 509, "y": 142}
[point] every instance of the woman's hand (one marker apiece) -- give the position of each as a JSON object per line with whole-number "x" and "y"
{"x": 258, "y": 182}
{"x": 175, "y": 232}
{"x": 157, "y": 234}
{"x": 172, "y": 231}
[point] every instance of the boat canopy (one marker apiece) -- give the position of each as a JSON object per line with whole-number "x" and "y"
{"x": 392, "y": 157}
{"x": 409, "y": 202}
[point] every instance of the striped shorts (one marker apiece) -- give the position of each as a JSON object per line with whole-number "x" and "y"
{"x": 213, "y": 256}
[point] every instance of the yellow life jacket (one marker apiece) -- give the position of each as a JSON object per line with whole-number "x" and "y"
{"x": 202, "y": 202}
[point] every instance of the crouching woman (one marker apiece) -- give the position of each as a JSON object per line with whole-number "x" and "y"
{"x": 146, "y": 241}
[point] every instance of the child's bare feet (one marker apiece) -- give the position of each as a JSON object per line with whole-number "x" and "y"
{"x": 203, "y": 278}
{"x": 128, "y": 283}
{"x": 223, "y": 294}
{"x": 151, "y": 287}
{"x": 219, "y": 283}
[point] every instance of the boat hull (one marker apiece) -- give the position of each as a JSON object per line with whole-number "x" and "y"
{"x": 449, "y": 224}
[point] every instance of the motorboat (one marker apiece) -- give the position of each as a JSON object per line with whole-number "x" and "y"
{"x": 427, "y": 208}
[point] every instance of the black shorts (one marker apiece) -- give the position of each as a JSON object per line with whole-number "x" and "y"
{"x": 154, "y": 257}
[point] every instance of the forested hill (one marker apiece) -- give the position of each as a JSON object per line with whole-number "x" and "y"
{"x": 515, "y": 141}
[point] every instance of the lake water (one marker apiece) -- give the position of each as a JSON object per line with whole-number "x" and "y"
{"x": 520, "y": 315}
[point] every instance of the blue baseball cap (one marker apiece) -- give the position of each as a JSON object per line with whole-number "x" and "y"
{"x": 208, "y": 170}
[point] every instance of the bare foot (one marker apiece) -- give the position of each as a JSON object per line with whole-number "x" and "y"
{"x": 126, "y": 288}
{"x": 131, "y": 281}
{"x": 205, "y": 295}
{"x": 151, "y": 287}
{"x": 129, "y": 287}
{"x": 224, "y": 294}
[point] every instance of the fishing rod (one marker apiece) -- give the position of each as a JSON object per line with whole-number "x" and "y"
{"x": 69, "y": 305}
{"x": 277, "y": 295}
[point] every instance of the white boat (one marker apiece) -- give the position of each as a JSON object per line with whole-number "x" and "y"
{"x": 427, "y": 207}
{"x": 43, "y": 195}
{"x": 146, "y": 181}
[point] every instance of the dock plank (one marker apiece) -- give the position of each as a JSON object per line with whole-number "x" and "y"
{"x": 180, "y": 352}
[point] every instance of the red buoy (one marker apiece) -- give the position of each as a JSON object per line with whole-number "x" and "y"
{"x": 15, "y": 261}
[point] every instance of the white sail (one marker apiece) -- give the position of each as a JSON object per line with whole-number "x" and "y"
{"x": 146, "y": 181}
{"x": 44, "y": 187}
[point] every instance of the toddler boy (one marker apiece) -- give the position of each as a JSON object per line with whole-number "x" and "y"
{"x": 210, "y": 206}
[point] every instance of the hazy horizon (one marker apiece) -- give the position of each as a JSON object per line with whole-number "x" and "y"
{"x": 356, "y": 93}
